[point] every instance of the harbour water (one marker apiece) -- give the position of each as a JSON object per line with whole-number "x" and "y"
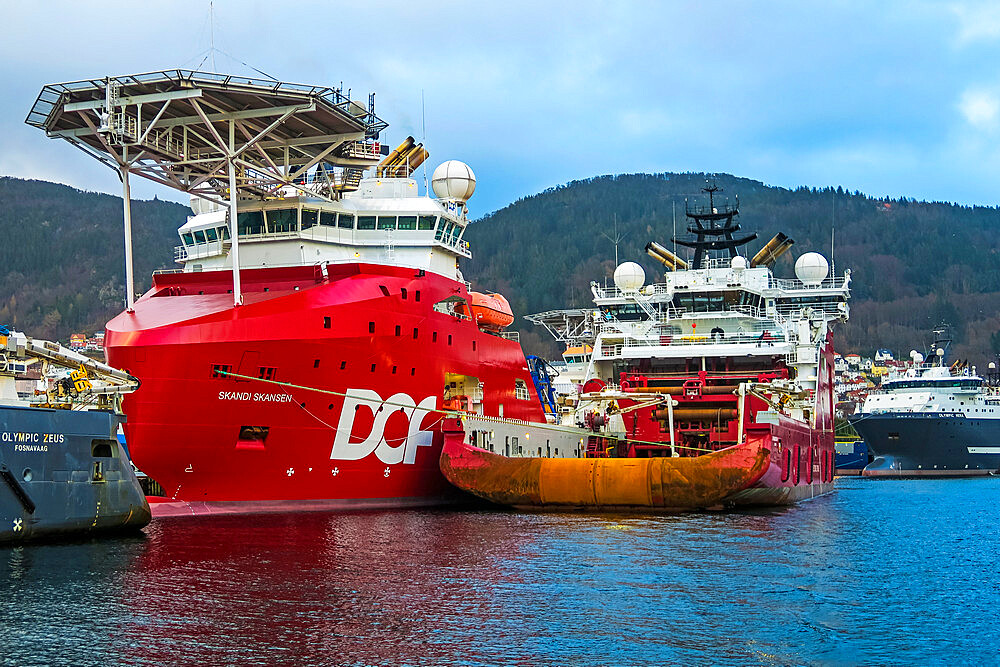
{"x": 881, "y": 571}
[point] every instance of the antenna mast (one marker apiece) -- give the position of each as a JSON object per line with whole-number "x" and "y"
{"x": 423, "y": 139}
{"x": 211, "y": 32}
{"x": 616, "y": 239}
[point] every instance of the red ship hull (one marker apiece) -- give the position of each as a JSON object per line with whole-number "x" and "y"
{"x": 362, "y": 337}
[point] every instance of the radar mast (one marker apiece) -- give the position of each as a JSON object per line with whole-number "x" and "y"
{"x": 714, "y": 227}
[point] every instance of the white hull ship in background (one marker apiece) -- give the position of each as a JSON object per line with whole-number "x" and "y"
{"x": 711, "y": 388}
{"x": 62, "y": 470}
{"x": 932, "y": 420}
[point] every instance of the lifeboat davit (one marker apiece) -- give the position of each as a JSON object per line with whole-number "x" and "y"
{"x": 490, "y": 311}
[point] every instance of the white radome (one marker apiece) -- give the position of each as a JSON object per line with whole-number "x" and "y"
{"x": 738, "y": 263}
{"x": 812, "y": 268}
{"x": 453, "y": 180}
{"x": 629, "y": 276}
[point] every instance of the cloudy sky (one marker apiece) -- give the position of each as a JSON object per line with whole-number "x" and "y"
{"x": 890, "y": 98}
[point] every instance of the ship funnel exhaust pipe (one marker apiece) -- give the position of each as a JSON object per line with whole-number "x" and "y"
{"x": 397, "y": 160}
{"x": 665, "y": 257}
{"x": 774, "y": 249}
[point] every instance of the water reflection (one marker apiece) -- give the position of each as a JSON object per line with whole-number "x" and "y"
{"x": 876, "y": 572}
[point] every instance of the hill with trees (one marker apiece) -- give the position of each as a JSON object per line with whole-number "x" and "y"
{"x": 914, "y": 264}
{"x": 62, "y": 255}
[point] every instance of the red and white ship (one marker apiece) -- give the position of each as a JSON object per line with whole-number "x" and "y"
{"x": 303, "y": 361}
{"x": 710, "y": 388}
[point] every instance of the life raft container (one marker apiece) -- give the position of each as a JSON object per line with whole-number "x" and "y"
{"x": 490, "y": 311}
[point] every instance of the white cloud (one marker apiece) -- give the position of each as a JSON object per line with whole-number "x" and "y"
{"x": 981, "y": 108}
{"x": 977, "y": 21}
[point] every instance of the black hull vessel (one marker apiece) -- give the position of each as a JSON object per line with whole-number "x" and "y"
{"x": 930, "y": 444}
{"x": 63, "y": 472}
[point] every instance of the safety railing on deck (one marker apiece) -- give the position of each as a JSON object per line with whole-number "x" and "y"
{"x": 835, "y": 282}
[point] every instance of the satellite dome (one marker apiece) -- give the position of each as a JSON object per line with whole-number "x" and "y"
{"x": 453, "y": 180}
{"x": 812, "y": 268}
{"x": 738, "y": 263}
{"x": 629, "y": 276}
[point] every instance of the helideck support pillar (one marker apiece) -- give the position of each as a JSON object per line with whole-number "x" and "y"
{"x": 234, "y": 234}
{"x": 129, "y": 278}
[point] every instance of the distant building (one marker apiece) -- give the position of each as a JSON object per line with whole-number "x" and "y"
{"x": 853, "y": 361}
{"x": 78, "y": 341}
{"x": 883, "y": 355}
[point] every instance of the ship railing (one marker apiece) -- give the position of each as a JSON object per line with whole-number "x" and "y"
{"x": 612, "y": 291}
{"x": 747, "y": 340}
{"x": 200, "y": 250}
{"x": 794, "y": 284}
{"x": 511, "y": 335}
{"x": 253, "y": 236}
{"x": 365, "y": 150}
{"x": 671, "y": 327}
{"x": 793, "y": 311}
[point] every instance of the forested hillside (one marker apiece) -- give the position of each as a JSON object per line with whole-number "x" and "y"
{"x": 61, "y": 255}
{"x": 914, "y": 263}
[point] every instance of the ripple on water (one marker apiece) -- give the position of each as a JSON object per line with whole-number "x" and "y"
{"x": 887, "y": 572}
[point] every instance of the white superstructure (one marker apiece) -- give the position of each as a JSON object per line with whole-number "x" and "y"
{"x": 935, "y": 389}
{"x": 386, "y": 220}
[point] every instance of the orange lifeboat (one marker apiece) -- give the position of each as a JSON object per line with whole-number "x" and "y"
{"x": 490, "y": 311}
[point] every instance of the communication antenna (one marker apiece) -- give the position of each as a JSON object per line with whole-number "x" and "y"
{"x": 616, "y": 239}
{"x": 673, "y": 213}
{"x": 423, "y": 138}
{"x": 211, "y": 32}
{"x": 833, "y": 234}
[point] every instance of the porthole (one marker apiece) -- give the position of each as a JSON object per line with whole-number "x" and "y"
{"x": 27, "y": 475}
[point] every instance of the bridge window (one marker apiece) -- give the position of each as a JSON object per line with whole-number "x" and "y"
{"x": 387, "y": 222}
{"x": 327, "y": 219}
{"x": 366, "y": 222}
{"x": 282, "y": 220}
{"x": 345, "y": 221}
{"x": 199, "y": 236}
{"x": 250, "y": 222}
{"x": 426, "y": 222}
{"x": 223, "y": 233}
{"x": 309, "y": 218}
{"x": 211, "y": 234}
{"x": 407, "y": 222}
{"x": 187, "y": 239}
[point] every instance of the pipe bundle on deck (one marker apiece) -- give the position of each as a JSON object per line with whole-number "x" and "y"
{"x": 774, "y": 249}
{"x": 707, "y": 414}
{"x": 665, "y": 257}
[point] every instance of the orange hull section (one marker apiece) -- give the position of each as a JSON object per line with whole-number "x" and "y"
{"x": 607, "y": 484}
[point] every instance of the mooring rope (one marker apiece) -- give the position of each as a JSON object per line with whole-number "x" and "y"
{"x": 449, "y": 413}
